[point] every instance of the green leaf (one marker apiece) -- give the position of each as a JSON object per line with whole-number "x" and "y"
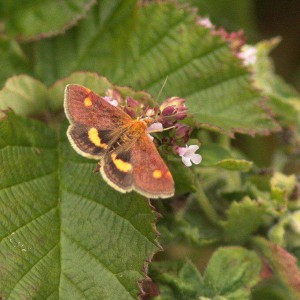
{"x": 94, "y": 82}
{"x": 243, "y": 219}
{"x": 281, "y": 95}
{"x": 25, "y": 95}
{"x": 12, "y": 60}
{"x": 183, "y": 177}
{"x": 153, "y": 42}
{"x": 282, "y": 187}
{"x": 216, "y": 156}
{"x": 283, "y": 265}
{"x": 231, "y": 272}
{"x": 177, "y": 280}
{"x": 32, "y": 19}
{"x": 64, "y": 233}
{"x": 232, "y": 14}
{"x": 286, "y": 232}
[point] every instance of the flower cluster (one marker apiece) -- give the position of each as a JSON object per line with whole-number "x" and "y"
{"x": 163, "y": 118}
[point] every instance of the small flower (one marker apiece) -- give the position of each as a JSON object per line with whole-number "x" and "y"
{"x": 111, "y": 101}
{"x": 206, "y": 22}
{"x": 248, "y": 54}
{"x": 188, "y": 155}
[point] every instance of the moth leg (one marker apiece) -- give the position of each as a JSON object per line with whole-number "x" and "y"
{"x": 98, "y": 167}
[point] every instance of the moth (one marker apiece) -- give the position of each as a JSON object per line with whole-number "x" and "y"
{"x": 128, "y": 159}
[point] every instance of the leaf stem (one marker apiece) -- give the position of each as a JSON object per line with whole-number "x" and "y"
{"x": 205, "y": 205}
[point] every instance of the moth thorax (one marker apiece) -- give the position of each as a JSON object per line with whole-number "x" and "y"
{"x": 138, "y": 127}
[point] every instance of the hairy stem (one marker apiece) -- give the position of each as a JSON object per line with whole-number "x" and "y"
{"x": 205, "y": 205}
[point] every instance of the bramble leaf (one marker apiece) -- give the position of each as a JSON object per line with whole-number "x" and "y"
{"x": 216, "y": 156}
{"x": 61, "y": 222}
{"x": 156, "y": 42}
{"x": 35, "y": 19}
{"x": 281, "y": 95}
{"x": 230, "y": 274}
{"x": 25, "y": 95}
{"x": 243, "y": 219}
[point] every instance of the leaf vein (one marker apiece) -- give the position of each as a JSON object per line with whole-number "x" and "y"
{"x": 73, "y": 283}
{"x": 115, "y": 213}
{"x": 96, "y": 259}
{"x": 26, "y": 181}
{"x": 23, "y": 275}
{"x": 169, "y": 72}
{"x": 27, "y": 223}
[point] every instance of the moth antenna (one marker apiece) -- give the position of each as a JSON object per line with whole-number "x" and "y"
{"x": 162, "y": 87}
{"x": 160, "y": 130}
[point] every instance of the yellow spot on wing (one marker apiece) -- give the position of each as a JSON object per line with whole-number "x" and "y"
{"x": 168, "y": 174}
{"x": 95, "y": 138}
{"x": 88, "y": 101}
{"x": 157, "y": 174}
{"x": 121, "y": 165}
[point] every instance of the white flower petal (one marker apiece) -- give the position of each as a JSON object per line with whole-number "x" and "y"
{"x": 157, "y": 127}
{"x": 150, "y": 137}
{"x": 111, "y": 101}
{"x": 196, "y": 159}
{"x": 114, "y": 102}
{"x": 186, "y": 161}
{"x": 193, "y": 148}
{"x": 181, "y": 151}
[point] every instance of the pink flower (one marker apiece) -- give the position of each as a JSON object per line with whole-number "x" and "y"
{"x": 111, "y": 101}
{"x": 188, "y": 155}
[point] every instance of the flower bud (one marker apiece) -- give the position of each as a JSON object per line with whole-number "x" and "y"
{"x": 172, "y": 110}
{"x": 182, "y": 133}
{"x": 132, "y": 106}
{"x": 114, "y": 94}
{"x": 173, "y": 101}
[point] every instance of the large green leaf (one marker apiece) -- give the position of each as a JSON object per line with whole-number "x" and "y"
{"x": 32, "y": 18}
{"x": 64, "y": 233}
{"x": 142, "y": 46}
